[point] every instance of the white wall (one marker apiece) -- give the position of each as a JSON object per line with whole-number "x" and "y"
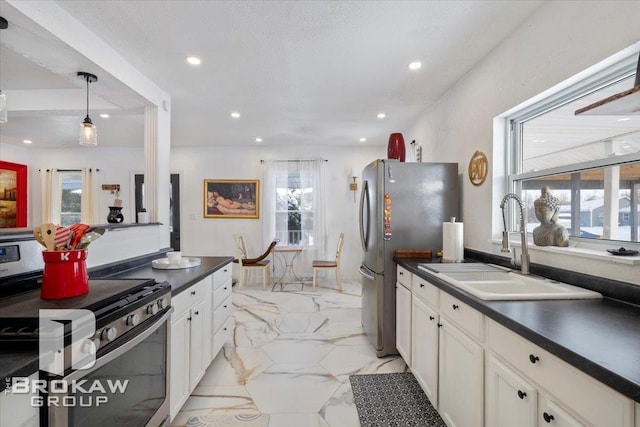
{"x": 209, "y": 236}
{"x": 115, "y": 167}
{"x": 558, "y": 41}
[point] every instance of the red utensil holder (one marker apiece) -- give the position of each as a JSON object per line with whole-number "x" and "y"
{"x": 65, "y": 274}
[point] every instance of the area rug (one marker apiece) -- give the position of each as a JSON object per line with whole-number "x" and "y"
{"x": 392, "y": 400}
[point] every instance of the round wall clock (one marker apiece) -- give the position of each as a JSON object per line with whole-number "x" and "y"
{"x": 478, "y": 168}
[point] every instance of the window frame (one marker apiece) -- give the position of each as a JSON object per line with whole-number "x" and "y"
{"x": 584, "y": 83}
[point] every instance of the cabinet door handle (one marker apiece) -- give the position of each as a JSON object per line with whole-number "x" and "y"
{"x": 422, "y": 285}
{"x": 431, "y": 318}
{"x": 547, "y": 417}
{"x": 196, "y": 313}
{"x": 533, "y": 358}
{"x": 225, "y": 288}
{"x": 522, "y": 394}
{"x": 455, "y": 306}
{"x": 193, "y": 292}
{"x": 225, "y": 306}
{"x": 189, "y": 319}
{"x": 439, "y": 325}
{"x": 224, "y": 329}
{"x": 225, "y": 270}
{"x": 401, "y": 273}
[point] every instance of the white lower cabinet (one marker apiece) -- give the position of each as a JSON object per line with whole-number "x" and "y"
{"x": 460, "y": 372}
{"x": 424, "y": 349}
{"x": 509, "y": 399}
{"x": 200, "y": 324}
{"x": 477, "y": 372}
{"x": 566, "y": 395}
{"x": 16, "y": 408}
{"x": 551, "y": 413}
{"x": 403, "y": 322}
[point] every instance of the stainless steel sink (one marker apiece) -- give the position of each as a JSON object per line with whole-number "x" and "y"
{"x": 491, "y": 282}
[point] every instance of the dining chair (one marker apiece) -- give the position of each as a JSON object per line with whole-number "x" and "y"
{"x": 319, "y": 265}
{"x": 248, "y": 265}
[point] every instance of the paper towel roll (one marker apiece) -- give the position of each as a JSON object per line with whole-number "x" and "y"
{"x": 452, "y": 241}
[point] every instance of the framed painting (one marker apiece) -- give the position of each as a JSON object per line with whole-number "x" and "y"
{"x": 13, "y": 195}
{"x": 227, "y": 198}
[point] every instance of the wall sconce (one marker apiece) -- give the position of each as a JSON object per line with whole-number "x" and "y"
{"x": 88, "y": 131}
{"x": 353, "y": 186}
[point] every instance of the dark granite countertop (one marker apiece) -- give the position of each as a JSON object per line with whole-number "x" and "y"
{"x": 25, "y": 363}
{"x": 180, "y": 279}
{"x": 598, "y": 337}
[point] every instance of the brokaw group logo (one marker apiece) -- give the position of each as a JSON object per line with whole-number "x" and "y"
{"x": 52, "y": 335}
{"x": 54, "y": 326}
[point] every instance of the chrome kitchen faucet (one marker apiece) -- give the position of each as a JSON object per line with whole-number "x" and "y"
{"x": 506, "y": 248}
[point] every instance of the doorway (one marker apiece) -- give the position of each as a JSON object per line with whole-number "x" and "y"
{"x": 174, "y": 205}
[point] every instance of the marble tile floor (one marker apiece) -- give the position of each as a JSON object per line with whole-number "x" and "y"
{"x": 288, "y": 361}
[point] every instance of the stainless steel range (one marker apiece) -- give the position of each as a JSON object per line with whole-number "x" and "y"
{"x": 122, "y": 377}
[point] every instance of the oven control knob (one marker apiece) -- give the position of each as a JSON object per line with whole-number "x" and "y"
{"x": 90, "y": 347}
{"x": 162, "y": 303}
{"x": 109, "y": 334}
{"x": 152, "y": 308}
{"x": 133, "y": 319}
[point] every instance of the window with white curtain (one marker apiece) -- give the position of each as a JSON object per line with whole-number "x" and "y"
{"x": 68, "y": 195}
{"x": 293, "y": 207}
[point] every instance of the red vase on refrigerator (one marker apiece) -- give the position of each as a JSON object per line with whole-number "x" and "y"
{"x": 395, "y": 148}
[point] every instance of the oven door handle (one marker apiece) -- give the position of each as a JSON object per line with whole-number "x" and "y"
{"x": 119, "y": 351}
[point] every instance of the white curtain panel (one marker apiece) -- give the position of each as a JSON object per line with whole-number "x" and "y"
{"x": 88, "y": 203}
{"x": 306, "y": 180}
{"x": 50, "y": 193}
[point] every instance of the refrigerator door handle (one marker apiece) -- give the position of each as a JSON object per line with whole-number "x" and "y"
{"x": 365, "y": 203}
{"x": 365, "y": 272}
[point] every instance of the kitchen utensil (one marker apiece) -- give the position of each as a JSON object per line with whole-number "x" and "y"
{"x": 62, "y": 237}
{"x": 89, "y": 237}
{"x": 38, "y": 236}
{"x": 48, "y": 233}
{"x": 79, "y": 229}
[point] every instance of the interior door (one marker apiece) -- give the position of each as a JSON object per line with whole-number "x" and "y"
{"x": 174, "y": 206}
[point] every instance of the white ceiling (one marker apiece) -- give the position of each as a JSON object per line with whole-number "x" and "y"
{"x": 308, "y": 72}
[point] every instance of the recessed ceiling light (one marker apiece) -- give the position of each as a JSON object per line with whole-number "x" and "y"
{"x": 235, "y": 115}
{"x": 193, "y": 60}
{"x": 27, "y": 141}
{"x": 381, "y": 115}
{"x": 624, "y": 119}
{"x": 258, "y": 139}
{"x": 363, "y": 139}
{"x": 415, "y": 65}
{"x": 104, "y": 116}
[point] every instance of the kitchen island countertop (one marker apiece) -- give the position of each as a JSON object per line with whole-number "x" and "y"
{"x": 24, "y": 363}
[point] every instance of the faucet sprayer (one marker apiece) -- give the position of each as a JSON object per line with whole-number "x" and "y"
{"x": 524, "y": 257}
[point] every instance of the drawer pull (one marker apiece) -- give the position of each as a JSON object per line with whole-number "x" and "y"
{"x": 533, "y": 358}
{"x": 189, "y": 319}
{"x": 547, "y": 417}
{"x": 422, "y": 285}
{"x": 225, "y": 288}
{"x": 225, "y": 270}
{"x": 522, "y": 394}
{"x": 224, "y": 329}
{"x": 439, "y": 325}
{"x": 225, "y": 306}
{"x": 431, "y": 318}
{"x": 455, "y": 306}
{"x": 196, "y": 313}
{"x": 401, "y": 273}
{"x": 193, "y": 292}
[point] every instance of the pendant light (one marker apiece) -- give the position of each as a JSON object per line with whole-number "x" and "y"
{"x": 4, "y": 24}
{"x": 88, "y": 131}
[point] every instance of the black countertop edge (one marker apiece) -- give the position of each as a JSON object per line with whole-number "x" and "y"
{"x": 115, "y": 267}
{"x": 613, "y": 380}
{"x": 615, "y": 289}
{"x": 17, "y": 365}
{"x": 25, "y": 233}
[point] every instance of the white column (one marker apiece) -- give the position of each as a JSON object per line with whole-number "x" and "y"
{"x": 611, "y": 195}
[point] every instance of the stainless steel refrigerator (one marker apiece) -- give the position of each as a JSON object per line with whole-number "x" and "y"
{"x": 402, "y": 206}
